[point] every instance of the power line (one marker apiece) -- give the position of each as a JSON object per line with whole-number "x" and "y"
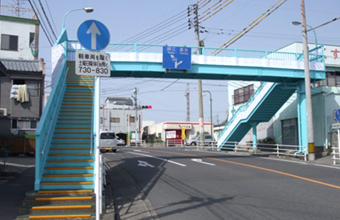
{"x": 146, "y": 33}
{"x": 51, "y": 44}
{"x": 251, "y": 25}
{"x": 49, "y": 11}
{"x": 46, "y": 17}
{"x": 42, "y": 20}
{"x": 220, "y": 9}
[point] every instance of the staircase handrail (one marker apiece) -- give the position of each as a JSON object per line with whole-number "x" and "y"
{"x": 92, "y": 119}
{"x": 47, "y": 122}
{"x": 242, "y": 108}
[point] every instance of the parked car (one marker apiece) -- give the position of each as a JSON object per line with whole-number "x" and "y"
{"x": 108, "y": 141}
{"x": 208, "y": 140}
{"x": 121, "y": 142}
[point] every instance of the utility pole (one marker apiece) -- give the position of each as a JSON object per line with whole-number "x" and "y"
{"x": 187, "y": 94}
{"x": 200, "y": 98}
{"x": 136, "y": 116}
{"x": 310, "y": 128}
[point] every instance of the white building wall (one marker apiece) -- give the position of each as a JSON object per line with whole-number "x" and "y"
{"x": 22, "y": 30}
{"x": 123, "y": 114}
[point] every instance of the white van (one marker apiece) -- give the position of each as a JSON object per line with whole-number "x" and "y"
{"x": 108, "y": 141}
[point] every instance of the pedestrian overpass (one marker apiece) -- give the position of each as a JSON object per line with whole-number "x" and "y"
{"x": 67, "y": 157}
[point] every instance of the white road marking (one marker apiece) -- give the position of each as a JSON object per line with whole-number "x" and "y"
{"x": 144, "y": 164}
{"x": 141, "y": 151}
{"x": 289, "y": 161}
{"x": 200, "y": 161}
{"x": 169, "y": 161}
{"x": 321, "y": 165}
{"x": 19, "y": 165}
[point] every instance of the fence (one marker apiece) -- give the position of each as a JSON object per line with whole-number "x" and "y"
{"x": 174, "y": 143}
{"x": 336, "y": 155}
{"x": 18, "y": 145}
{"x": 139, "y": 143}
{"x": 271, "y": 149}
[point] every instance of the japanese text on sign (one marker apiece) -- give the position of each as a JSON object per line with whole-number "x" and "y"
{"x": 92, "y": 63}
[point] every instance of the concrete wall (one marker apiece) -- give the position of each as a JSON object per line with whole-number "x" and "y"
{"x": 22, "y": 30}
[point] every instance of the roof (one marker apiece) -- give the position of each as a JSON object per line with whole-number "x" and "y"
{"x": 22, "y": 65}
{"x": 19, "y": 20}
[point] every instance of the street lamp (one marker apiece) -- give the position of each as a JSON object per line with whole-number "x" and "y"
{"x": 211, "y": 128}
{"x": 298, "y": 23}
{"x": 87, "y": 10}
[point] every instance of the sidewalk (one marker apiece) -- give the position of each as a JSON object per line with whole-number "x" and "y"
{"x": 13, "y": 188}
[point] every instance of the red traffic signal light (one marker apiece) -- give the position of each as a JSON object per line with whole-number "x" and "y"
{"x": 146, "y": 106}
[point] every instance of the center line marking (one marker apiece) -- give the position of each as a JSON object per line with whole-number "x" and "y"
{"x": 170, "y": 161}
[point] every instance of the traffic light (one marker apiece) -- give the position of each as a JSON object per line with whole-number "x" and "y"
{"x": 146, "y": 106}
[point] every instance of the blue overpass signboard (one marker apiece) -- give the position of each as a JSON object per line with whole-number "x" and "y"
{"x": 177, "y": 58}
{"x": 93, "y": 35}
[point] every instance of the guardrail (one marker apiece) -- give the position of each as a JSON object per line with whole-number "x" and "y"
{"x": 44, "y": 132}
{"x": 174, "y": 143}
{"x": 268, "y": 149}
{"x": 336, "y": 155}
{"x": 139, "y": 143}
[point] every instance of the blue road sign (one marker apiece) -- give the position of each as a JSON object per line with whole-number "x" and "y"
{"x": 337, "y": 114}
{"x": 177, "y": 58}
{"x": 93, "y": 35}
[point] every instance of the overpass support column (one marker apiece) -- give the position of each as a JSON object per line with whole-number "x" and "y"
{"x": 254, "y": 125}
{"x": 302, "y": 117}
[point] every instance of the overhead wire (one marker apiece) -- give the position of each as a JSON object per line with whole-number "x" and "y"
{"x": 47, "y": 36}
{"x": 42, "y": 21}
{"x": 173, "y": 19}
{"x": 49, "y": 11}
{"x": 48, "y": 20}
{"x": 251, "y": 25}
{"x": 204, "y": 18}
{"x": 203, "y": 4}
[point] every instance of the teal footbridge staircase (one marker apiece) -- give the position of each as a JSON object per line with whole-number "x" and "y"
{"x": 261, "y": 107}
{"x": 64, "y": 186}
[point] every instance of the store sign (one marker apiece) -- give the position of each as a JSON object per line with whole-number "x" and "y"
{"x": 170, "y": 134}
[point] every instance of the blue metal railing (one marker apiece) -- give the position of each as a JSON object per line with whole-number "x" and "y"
{"x": 242, "y": 108}
{"x": 44, "y": 132}
{"x": 206, "y": 51}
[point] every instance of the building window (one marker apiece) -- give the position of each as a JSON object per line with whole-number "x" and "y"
{"x": 24, "y": 124}
{"x": 115, "y": 120}
{"x": 243, "y": 94}
{"x": 31, "y": 42}
{"x": 289, "y": 132}
{"x": 9, "y": 42}
{"x": 332, "y": 79}
{"x": 101, "y": 120}
{"x": 132, "y": 119}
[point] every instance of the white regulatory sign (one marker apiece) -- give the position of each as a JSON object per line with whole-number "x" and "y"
{"x": 92, "y": 63}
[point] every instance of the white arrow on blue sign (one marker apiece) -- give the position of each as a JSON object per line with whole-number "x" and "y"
{"x": 93, "y": 35}
{"x": 176, "y": 57}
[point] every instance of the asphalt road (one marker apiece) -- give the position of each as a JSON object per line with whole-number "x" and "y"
{"x": 188, "y": 184}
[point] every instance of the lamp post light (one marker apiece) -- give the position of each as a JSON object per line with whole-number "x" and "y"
{"x": 87, "y": 10}
{"x": 211, "y": 126}
{"x": 298, "y": 23}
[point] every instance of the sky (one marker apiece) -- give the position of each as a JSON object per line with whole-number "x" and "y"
{"x": 125, "y": 19}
